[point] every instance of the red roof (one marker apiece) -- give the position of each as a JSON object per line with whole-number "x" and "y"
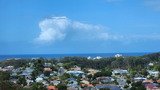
{"x": 51, "y": 88}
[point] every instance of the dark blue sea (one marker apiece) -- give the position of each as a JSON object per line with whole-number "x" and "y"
{"x": 92, "y": 55}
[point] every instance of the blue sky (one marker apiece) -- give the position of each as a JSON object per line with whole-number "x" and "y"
{"x": 79, "y": 26}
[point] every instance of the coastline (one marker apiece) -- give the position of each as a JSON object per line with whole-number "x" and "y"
{"x": 92, "y": 55}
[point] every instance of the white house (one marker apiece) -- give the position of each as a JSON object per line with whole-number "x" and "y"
{"x": 136, "y": 79}
{"x": 39, "y": 79}
{"x": 153, "y": 73}
{"x": 27, "y": 72}
{"x": 118, "y": 55}
{"x": 119, "y": 72}
{"x": 98, "y": 57}
{"x": 61, "y": 71}
{"x": 76, "y": 73}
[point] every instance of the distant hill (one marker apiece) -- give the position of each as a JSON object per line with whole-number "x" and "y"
{"x": 153, "y": 56}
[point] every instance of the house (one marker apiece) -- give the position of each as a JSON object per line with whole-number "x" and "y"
{"x": 74, "y": 88}
{"x": 85, "y": 82}
{"x": 152, "y": 86}
{"x": 104, "y": 79}
{"x": 119, "y": 72}
{"x": 14, "y": 74}
{"x": 98, "y": 57}
{"x": 150, "y": 64}
{"x": 147, "y": 81}
{"x": 72, "y": 82}
{"x": 54, "y": 73}
{"x": 45, "y": 83}
{"x": 8, "y": 68}
{"x": 47, "y": 70}
{"x": 110, "y": 86}
{"x": 16, "y": 70}
{"x": 76, "y": 73}
{"x": 89, "y": 57}
{"x": 47, "y": 64}
{"x": 60, "y": 64}
{"x": 52, "y": 88}
{"x": 39, "y": 79}
{"x": 153, "y": 73}
{"x": 89, "y": 87}
{"x": 27, "y": 73}
{"x": 118, "y": 55}
{"x": 76, "y": 68}
{"x": 92, "y": 71}
{"x": 121, "y": 81}
{"x": 31, "y": 64}
{"x": 61, "y": 71}
{"x": 136, "y": 79}
{"x": 158, "y": 81}
{"x": 29, "y": 82}
{"x": 55, "y": 82}
{"x": 14, "y": 80}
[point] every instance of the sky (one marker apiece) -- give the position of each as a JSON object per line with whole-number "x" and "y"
{"x": 79, "y": 26}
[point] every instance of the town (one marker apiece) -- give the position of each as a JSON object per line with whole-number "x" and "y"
{"x": 81, "y": 73}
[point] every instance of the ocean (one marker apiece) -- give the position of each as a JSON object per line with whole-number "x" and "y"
{"x": 92, "y": 55}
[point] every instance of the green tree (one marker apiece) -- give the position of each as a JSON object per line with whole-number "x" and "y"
{"x": 144, "y": 72}
{"x": 157, "y": 67}
{"x": 4, "y": 75}
{"x": 61, "y": 87}
{"x": 65, "y": 76}
{"x": 103, "y": 73}
{"x": 128, "y": 81}
{"x": 137, "y": 86}
{"x": 47, "y": 73}
{"x": 22, "y": 81}
{"x": 38, "y": 86}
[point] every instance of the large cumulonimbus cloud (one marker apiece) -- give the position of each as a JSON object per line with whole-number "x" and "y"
{"x": 62, "y": 28}
{"x": 59, "y": 28}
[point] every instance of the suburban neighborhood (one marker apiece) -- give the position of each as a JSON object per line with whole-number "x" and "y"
{"x": 56, "y": 76}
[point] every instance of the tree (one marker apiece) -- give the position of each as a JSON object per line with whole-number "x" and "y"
{"x": 65, "y": 76}
{"x": 4, "y": 76}
{"x": 128, "y": 81}
{"x": 38, "y": 86}
{"x": 144, "y": 72}
{"x": 138, "y": 86}
{"x": 61, "y": 86}
{"x": 47, "y": 73}
{"x": 90, "y": 76}
{"x": 104, "y": 89}
{"x": 7, "y": 85}
{"x": 34, "y": 74}
{"x": 22, "y": 81}
{"x": 157, "y": 67}
{"x": 103, "y": 73}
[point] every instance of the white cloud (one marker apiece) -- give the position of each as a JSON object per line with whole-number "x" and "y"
{"x": 79, "y": 25}
{"x": 58, "y": 28}
{"x": 62, "y": 28}
{"x": 52, "y": 29}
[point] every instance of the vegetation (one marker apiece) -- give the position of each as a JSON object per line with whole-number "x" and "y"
{"x": 111, "y": 62}
{"x": 38, "y": 86}
{"x": 137, "y": 86}
{"x": 135, "y": 65}
{"x": 22, "y": 81}
{"x": 62, "y": 87}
